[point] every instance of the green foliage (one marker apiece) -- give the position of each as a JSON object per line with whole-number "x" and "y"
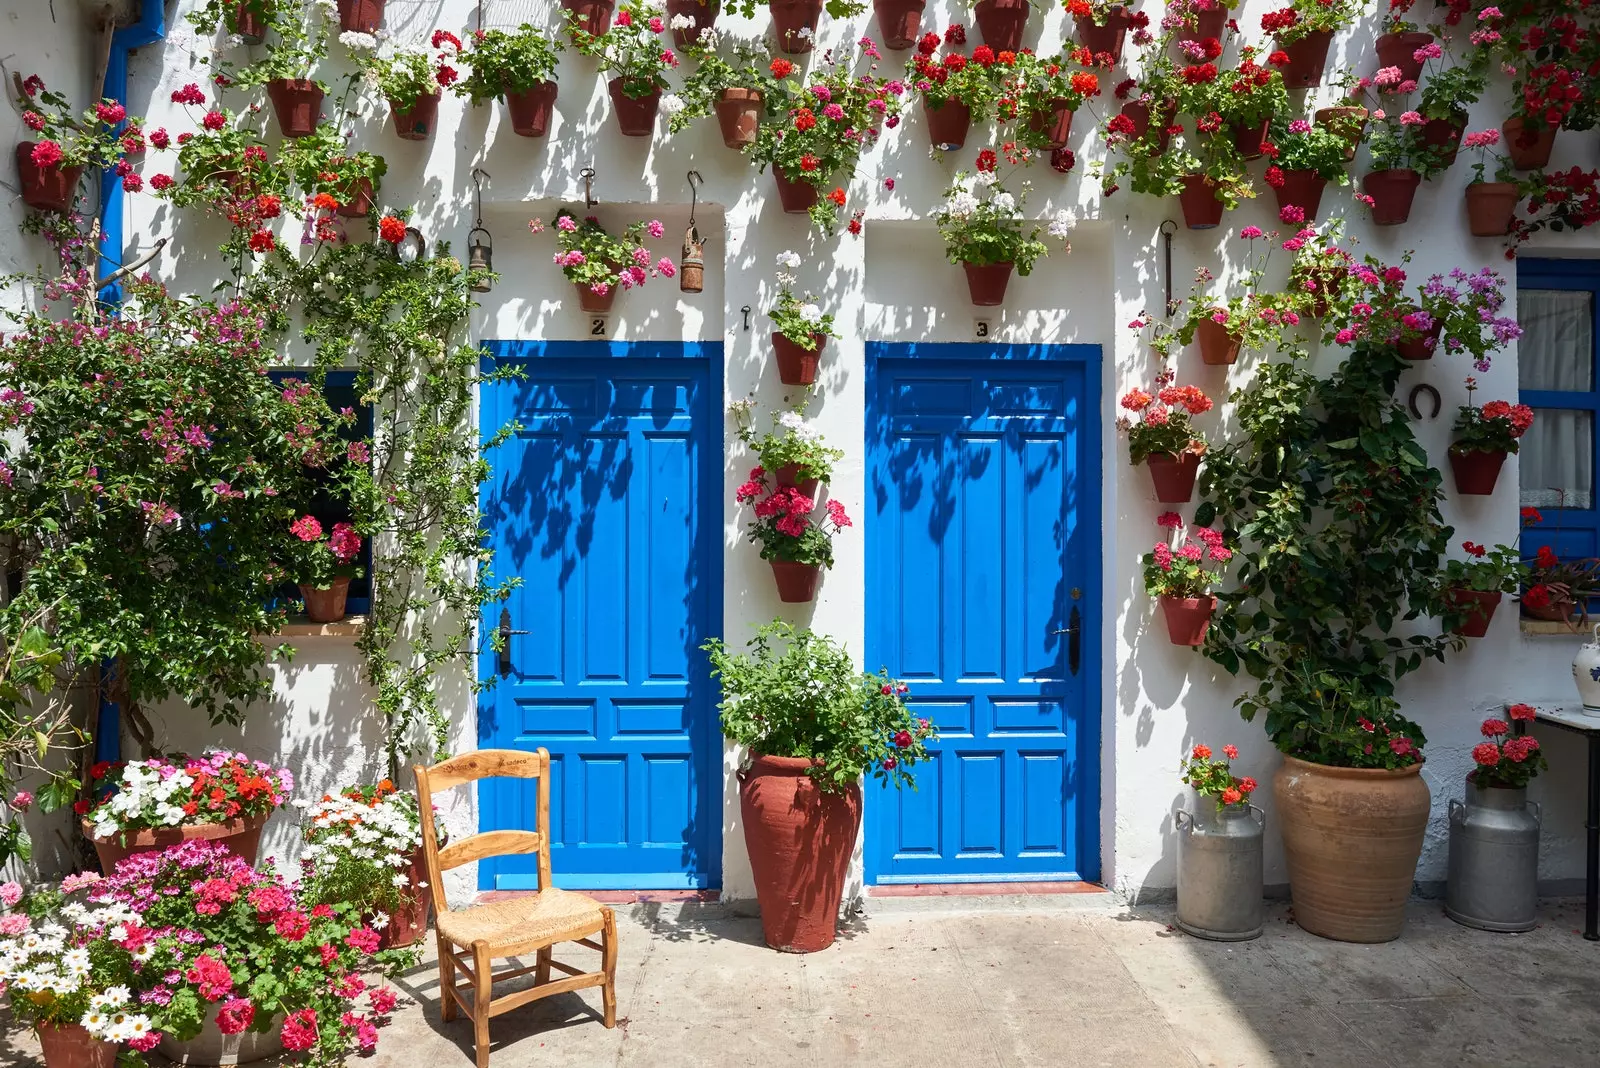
{"x": 405, "y": 77}
{"x": 501, "y": 61}
{"x": 631, "y": 50}
{"x": 1306, "y": 147}
{"x": 982, "y": 224}
{"x": 713, "y": 73}
{"x": 797, "y": 443}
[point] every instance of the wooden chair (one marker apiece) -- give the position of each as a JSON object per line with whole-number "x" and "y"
{"x": 531, "y": 923}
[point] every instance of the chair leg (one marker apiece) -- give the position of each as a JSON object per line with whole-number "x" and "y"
{"x": 608, "y": 964}
{"x": 447, "y": 981}
{"x": 541, "y": 973}
{"x": 480, "y": 1001}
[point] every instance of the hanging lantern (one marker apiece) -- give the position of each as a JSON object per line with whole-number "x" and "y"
{"x": 480, "y": 257}
{"x": 692, "y": 267}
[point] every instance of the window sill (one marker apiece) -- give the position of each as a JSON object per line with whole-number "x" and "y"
{"x": 301, "y": 627}
{"x": 1553, "y": 628}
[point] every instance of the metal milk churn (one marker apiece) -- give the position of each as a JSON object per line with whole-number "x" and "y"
{"x": 1220, "y": 871}
{"x": 1494, "y": 859}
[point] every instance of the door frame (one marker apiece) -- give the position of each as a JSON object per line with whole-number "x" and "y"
{"x": 1090, "y": 507}
{"x": 498, "y": 352}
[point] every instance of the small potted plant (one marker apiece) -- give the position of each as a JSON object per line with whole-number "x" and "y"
{"x": 899, "y": 21}
{"x": 49, "y": 167}
{"x": 794, "y": 22}
{"x": 1048, "y": 92}
{"x": 1473, "y": 587}
{"x": 1320, "y": 276}
{"x": 1402, "y": 45}
{"x": 519, "y": 65}
{"x": 1101, "y": 26}
{"x": 1483, "y": 436}
{"x": 1452, "y": 86}
{"x": 1545, "y": 93}
{"x": 1555, "y": 587}
{"x": 323, "y": 566}
{"x": 286, "y": 72}
{"x": 1180, "y": 580}
{"x": 1491, "y": 206}
{"x": 411, "y": 81}
{"x": 1559, "y": 201}
{"x": 1303, "y": 29}
{"x": 797, "y": 546}
{"x": 956, "y": 88}
{"x": 246, "y": 19}
{"x": 1248, "y": 98}
{"x": 1460, "y": 312}
{"x": 363, "y": 847}
{"x": 801, "y": 328}
{"x": 1309, "y": 157}
{"x": 1253, "y": 318}
{"x": 734, "y": 88}
{"x": 985, "y": 233}
{"x": 1193, "y": 22}
{"x": 1493, "y": 881}
{"x": 160, "y": 802}
{"x": 599, "y": 264}
{"x": 631, "y": 51}
{"x": 1219, "y": 901}
{"x": 690, "y": 20}
{"x": 360, "y": 16}
{"x": 792, "y": 450}
{"x": 1163, "y": 438}
{"x": 322, "y": 162}
{"x": 1400, "y": 161}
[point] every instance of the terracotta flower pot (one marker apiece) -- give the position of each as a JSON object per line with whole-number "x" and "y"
{"x": 1304, "y": 190}
{"x": 326, "y": 604}
{"x": 799, "y": 840}
{"x": 1490, "y": 208}
{"x": 789, "y": 18}
{"x": 415, "y": 123}
{"x": 1173, "y": 475}
{"x": 71, "y": 1046}
{"x": 45, "y": 188}
{"x": 1187, "y": 618}
{"x": 797, "y": 583}
{"x": 1207, "y": 24}
{"x": 1398, "y": 50}
{"x": 531, "y": 108}
{"x": 1554, "y": 612}
{"x": 1349, "y": 123}
{"x": 1529, "y": 149}
{"x": 1107, "y": 38}
{"x": 986, "y": 282}
{"x": 409, "y": 923}
{"x": 947, "y": 124}
{"x": 590, "y": 301}
{"x": 1444, "y": 137}
{"x": 211, "y": 1046}
{"x": 789, "y": 475}
{"x": 1351, "y": 838}
{"x": 1055, "y": 124}
{"x": 1421, "y": 348}
{"x": 899, "y": 22}
{"x": 297, "y": 105}
{"x": 360, "y": 16}
{"x": 797, "y": 365}
{"x": 739, "y": 116}
{"x": 1392, "y": 192}
{"x": 1476, "y": 472}
{"x": 1201, "y": 208}
{"x": 1001, "y": 23}
{"x": 594, "y": 15}
{"x": 241, "y": 837}
{"x": 1218, "y": 347}
{"x": 1249, "y": 139}
{"x": 1308, "y": 58}
{"x": 1478, "y": 606}
{"x": 797, "y": 197}
{"x": 703, "y": 15}
{"x": 1138, "y": 112}
{"x": 250, "y": 20}
{"x": 636, "y": 116}
{"x": 356, "y": 201}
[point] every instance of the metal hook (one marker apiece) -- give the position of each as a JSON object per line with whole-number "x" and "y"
{"x": 1166, "y": 250}
{"x": 477, "y": 194}
{"x": 587, "y": 174}
{"x": 746, "y": 311}
{"x": 694, "y": 193}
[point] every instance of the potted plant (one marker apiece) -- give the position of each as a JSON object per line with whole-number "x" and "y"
{"x": 899, "y": 22}
{"x": 286, "y": 72}
{"x": 600, "y": 265}
{"x": 49, "y": 167}
{"x": 1303, "y": 29}
{"x": 1560, "y": 201}
{"x": 247, "y": 19}
{"x": 1210, "y": 168}
{"x": 1163, "y": 438}
{"x": 224, "y": 166}
{"x": 156, "y": 803}
{"x": 1248, "y": 98}
{"x": 1452, "y": 86}
{"x": 1321, "y": 278}
{"x": 1309, "y": 157}
{"x": 363, "y": 847}
{"x": 323, "y": 566}
{"x": 1460, "y": 312}
{"x": 795, "y": 21}
{"x": 734, "y": 88}
{"x": 810, "y": 726}
{"x": 411, "y": 82}
{"x": 1253, "y": 318}
{"x": 1180, "y": 580}
{"x": 1048, "y": 92}
{"x": 1555, "y": 587}
{"x": 1401, "y": 45}
{"x": 1491, "y": 206}
{"x": 957, "y": 88}
{"x": 801, "y": 328}
{"x": 798, "y": 547}
{"x": 1348, "y": 118}
{"x": 1493, "y": 879}
{"x": 1220, "y": 863}
{"x": 1473, "y": 587}
{"x": 519, "y": 65}
{"x": 984, "y": 232}
{"x": 690, "y": 20}
{"x": 1545, "y": 93}
{"x": 1194, "y": 22}
{"x": 631, "y": 51}
{"x": 793, "y": 450}
{"x": 1141, "y": 133}
{"x": 1483, "y": 437}
{"x": 360, "y": 16}
{"x": 1400, "y": 161}
{"x": 1102, "y": 27}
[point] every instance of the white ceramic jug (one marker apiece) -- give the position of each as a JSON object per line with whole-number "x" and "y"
{"x": 1586, "y": 674}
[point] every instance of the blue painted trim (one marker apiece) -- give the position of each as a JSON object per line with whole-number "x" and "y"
{"x": 609, "y": 881}
{"x": 497, "y": 350}
{"x": 1038, "y": 877}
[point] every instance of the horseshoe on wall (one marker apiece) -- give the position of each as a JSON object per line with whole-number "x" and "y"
{"x": 1424, "y": 388}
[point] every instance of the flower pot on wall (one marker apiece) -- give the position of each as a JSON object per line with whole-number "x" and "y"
{"x": 1201, "y": 208}
{"x": 1105, "y": 39}
{"x": 948, "y": 124}
{"x": 212, "y": 1047}
{"x": 1349, "y": 123}
{"x": 986, "y": 282}
{"x": 531, "y": 108}
{"x": 1187, "y": 618}
{"x": 1001, "y": 23}
{"x": 1476, "y": 472}
{"x": 48, "y": 188}
{"x": 1207, "y": 24}
{"x": 1421, "y": 348}
{"x": 797, "y": 365}
{"x": 1303, "y": 189}
{"x": 416, "y": 122}
{"x": 1173, "y": 476}
{"x": 595, "y": 15}
{"x": 241, "y": 837}
{"x": 590, "y": 301}
{"x": 799, "y": 840}
{"x": 355, "y": 202}
{"x": 789, "y": 475}
{"x": 1138, "y": 112}
{"x": 701, "y": 14}
{"x": 1399, "y": 50}
{"x": 360, "y": 16}
{"x": 1308, "y": 58}
{"x": 1351, "y": 838}
{"x": 250, "y": 20}
{"x": 1250, "y": 139}
{"x": 1529, "y": 149}
{"x": 325, "y": 604}
{"x": 738, "y": 115}
{"x": 297, "y": 105}
{"x": 71, "y": 1046}
{"x": 636, "y": 115}
{"x": 1444, "y": 136}
{"x": 1218, "y": 346}
{"x": 1055, "y": 124}
{"x": 797, "y": 583}
{"x": 790, "y": 18}
{"x": 1477, "y": 606}
{"x": 797, "y": 197}
{"x": 1490, "y": 208}
{"x": 899, "y": 22}
{"x": 1392, "y": 192}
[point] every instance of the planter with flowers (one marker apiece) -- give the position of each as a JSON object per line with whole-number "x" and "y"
{"x": 1220, "y": 862}
{"x": 1309, "y": 157}
{"x": 1555, "y": 588}
{"x": 733, "y": 88}
{"x": 1248, "y": 98}
{"x": 811, "y": 726}
{"x": 1193, "y": 22}
{"x": 221, "y": 168}
{"x": 145, "y": 806}
{"x": 1473, "y": 587}
{"x": 985, "y": 233}
{"x": 286, "y": 70}
{"x": 363, "y": 847}
{"x": 1484, "y": 436}
{"x": 1209, "y": 161}
{"x": 1101, "y": 26}
{"x": 793, "y": 451}
{"x": 1163, "y": 439}
{"x": 412, "y": 83}
{"x": 1491, "y": 206}
{"x": 632, "y": 52}
{"x": 322, "y": 162}
{"x": 899, "y": 22}
{"x": 690, "y": 19}
{"x": 957, "y": 88}
{"x": 48, "y": 168}
{"x": 599, "y": 265}
{"x": 1142, "y": 132}
{"x": 1254, "y": 318}
{"x": 1458, "y": 314}
{"x": 1320, "y": 278}
{"x": 1402, "y": 45}
{"x": 1401, "y": 159}
{"x": 802, "y": 328}
{"x": 518, "y": 65}
{"x": 1452, "y": 86}
{"x": 249, "y": 19}
{"x": 797, "y": 546}
{"x": 323, "y": 566}
{"x": 1180, "y": 579}
{"x": 1559, "y": 201}
{"x": 1493, "y": 881}
{"x": 1545, "y": 94}
{"x": 1303, "y": 29}
{"x": 1048, "y": 92}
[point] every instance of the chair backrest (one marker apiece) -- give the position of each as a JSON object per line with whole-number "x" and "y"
{"x": 470, "y": 767}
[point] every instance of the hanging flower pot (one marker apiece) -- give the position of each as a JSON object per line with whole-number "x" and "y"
{"x": 1138, "y": 112}
{"x": 1104, "y": 39}
{"x": 1490, "y": 207}
{"x": 1392, "y": 192}
{"x": 1207, "y": 24}
{"x": 1303, "y": 189}
{"x": 1201, "y": 208}
{"x": 701, "y": 12}
{"x": 1250, "y": 139}
{"x": 325, "y": 604}
{"x": 594, "y": 15}
{"x": 1055, "y": 124}
{"x": 45, "y": 188}
{"x": 297, "y": 105}
{"x": 797, "y": 365}
{"x": 590, "y": 301}
{"x": 415, "y": 123}
{"x": 241, "y": 837}
{"x": 1443, "y": 136}
{"x": 792, "y": 18}
{"x": 1529, "y": 149}
{"x": 899, "y": 22}
{"x": 1218, "y": 347}
{"x": 1399, "y": 50}
{"x": 739, "y": 115}
{"x": 789, "y": 475}
{"x": 1349, "y": 123}
{"x": 1478, "y": 606}
{"x": 355, "y": 201}
{"x": 797, "y": 583}
{"x": 250, "y": 20}
{"x": 636, "y": 115}
{"x": 71, "y": 1046}
{"x": 797, "y": 197}
{"x": 1308, "y": 58}
{"x": 1187, "y": 618}
{"x": 986, "y": 282}
{"x": 360, "y": 16}
{"x": 799, "y": 840}
{"x": 1476, "y": 472}
{"x": 1173, "y": 475}
{"x": 1421, "y": 348}
{"x": 1001, "y": 22}
{"x": 948, "y": 124}
{"x": 531, "y": 108}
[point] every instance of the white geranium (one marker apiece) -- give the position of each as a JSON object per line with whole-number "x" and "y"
{"x": 789, "y": 259}
{"x": 364, "y": 41}
{"x": 962, "y": 204}
{"x": 1061, "y": 226}
{"x": 671, "y": 104}
{"x": 1004, "y": 203}
{"x": 810, "y": 313}
{"x": 985, "y": 178}
{"x": 682, "y": 22}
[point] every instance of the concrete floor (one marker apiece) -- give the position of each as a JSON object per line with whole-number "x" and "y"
{"x": 1007, "y": 982}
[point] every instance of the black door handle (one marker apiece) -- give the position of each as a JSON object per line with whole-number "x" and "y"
{"x": 1074, "y": 639}
{"x": 505, "y": 633}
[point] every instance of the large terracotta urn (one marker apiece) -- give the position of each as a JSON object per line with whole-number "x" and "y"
{"x": 1351, "y": 838}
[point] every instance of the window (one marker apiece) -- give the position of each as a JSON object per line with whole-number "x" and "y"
{"x": 1558, "y": 306}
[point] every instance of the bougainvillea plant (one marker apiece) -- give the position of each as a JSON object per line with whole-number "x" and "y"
{"x": 1210, "y": 776}
{"x": 182, "y": 792}
{"x": 591, "y": 256}
{"x": 1507, "y": 761}
{"x": 1185, "y": 571}
{"x": 1163, "y": 427}
{"x": 1494, "y": 426}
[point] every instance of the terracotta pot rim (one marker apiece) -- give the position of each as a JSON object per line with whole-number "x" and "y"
{"x": 783, "y": 764}
{"x": 1457, "y": 450}
{"x": 1336, "y": 772}
{"x": 1189, "y": 602}
{"x": 147, "y": 836}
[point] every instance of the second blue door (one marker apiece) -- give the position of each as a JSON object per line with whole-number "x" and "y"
{"x": 983, "y": 568}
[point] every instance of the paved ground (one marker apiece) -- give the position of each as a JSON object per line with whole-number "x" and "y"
{"x": 1004, "y": 983}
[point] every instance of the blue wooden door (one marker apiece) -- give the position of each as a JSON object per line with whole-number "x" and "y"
{"x": 604, "y": 503}
{"x": 982, "y": 595}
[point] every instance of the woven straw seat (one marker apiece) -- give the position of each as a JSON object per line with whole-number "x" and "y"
{"x": 528, "y": 923}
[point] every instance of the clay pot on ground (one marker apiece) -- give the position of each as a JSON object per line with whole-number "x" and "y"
{"x": 986, "y": 282}
{"x": 48, "y": 188}
{"x": 899, "y": 22}
{"x": 1107, "y": 38}
{"x": 1055, "y": 124}
{"x": 360, "y": 16}
{"x": 1476, "y": 472}
{"x": 797, "y": 197}
{"x": 738, "y": 115}
{"x": 325, "y": 604}
{"x": 1249, "y": 139}
{"x": 1529, "y": 149}
{"x": 789, "y": 17}
{"x": 1420, "y": 348}
{"x": 416, "y": 122}
{"x": 1399, "y": 50}
{"x": 296, "y": 104}
{"x": 1138, "y": 112}
{"x": 1349, "y": 123}
{"x": 590, "y": 301}
{"x": 1201, "y": 208}
{"x": 1173, "y": 476}
{"x": 409, "y": 923}
{"x": 797, "y": 583}
{"x": 1303, "y": 189}
{"x": 530, "y": 109}
{"x": 1490, "y": 208}
{"x": 789, "y": 475}
{"x": 948, "y": 124}
{"x": 799, "y": 840}
{"x": 636, "y": 115}
{"x": 797, "y": 365}
{"x": 1444, "y": 136}
{"x": 71, "y": 1046}
{"x": 1478, "y": 606}
{"x": 241, "y": 837}
{"x": 1001, "y": 23}
{"x": 702, "y": 14}
{"x": 1187, "y": 618}
{"x": 354, "y": 203}
{"x": 594, "y": 15}
{"x": 1351, "y": 838}
{"x": 1392, "y": 192}
{"x": 1218, "y": 347}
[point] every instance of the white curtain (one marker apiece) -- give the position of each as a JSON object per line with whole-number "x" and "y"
{"x": 1557, "y": 353}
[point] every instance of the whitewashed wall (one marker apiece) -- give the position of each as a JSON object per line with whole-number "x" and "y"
{"x": 892, "y": 284}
